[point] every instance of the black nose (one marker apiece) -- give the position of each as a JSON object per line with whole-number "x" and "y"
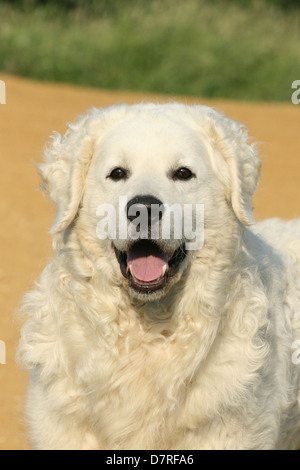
{"x": 146, "y": 201}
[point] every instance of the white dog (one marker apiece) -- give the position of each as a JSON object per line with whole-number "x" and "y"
{"x": 143, "y": 343}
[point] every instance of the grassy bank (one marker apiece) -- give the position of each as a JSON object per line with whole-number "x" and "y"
{"x": 243, "y": 50}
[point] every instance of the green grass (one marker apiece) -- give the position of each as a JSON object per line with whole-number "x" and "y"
{"x": 243, "y": 50}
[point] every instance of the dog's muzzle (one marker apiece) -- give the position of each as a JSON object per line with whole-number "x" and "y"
{"x": 147, "y": 264}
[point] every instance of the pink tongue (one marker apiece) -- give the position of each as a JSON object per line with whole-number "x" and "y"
{"x": 147, "y": 261}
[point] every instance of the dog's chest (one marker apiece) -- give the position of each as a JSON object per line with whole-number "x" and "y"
{"x": 135, "y": 396}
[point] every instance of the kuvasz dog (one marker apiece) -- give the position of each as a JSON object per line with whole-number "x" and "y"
{"x": 139, "y": 340}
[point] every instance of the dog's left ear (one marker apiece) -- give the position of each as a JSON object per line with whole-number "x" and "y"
{"x": 234, "y": 160}
{"x": 67, "y": 160}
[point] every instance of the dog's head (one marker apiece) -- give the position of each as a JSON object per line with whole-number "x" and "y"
{"x": 142, "y": 183}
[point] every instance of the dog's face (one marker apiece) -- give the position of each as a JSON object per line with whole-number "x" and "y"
{"x": 143, "y": 167}
{"x": 145, "y": 183}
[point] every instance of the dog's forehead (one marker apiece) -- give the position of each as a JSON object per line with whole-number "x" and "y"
{"x": 144, "y": 137}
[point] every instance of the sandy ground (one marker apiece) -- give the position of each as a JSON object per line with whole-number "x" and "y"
{"x": 32, "y": 111}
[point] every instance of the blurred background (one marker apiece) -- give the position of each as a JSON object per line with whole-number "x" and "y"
{"x": 58, "y": 58}
{"x": 241, "y": 49}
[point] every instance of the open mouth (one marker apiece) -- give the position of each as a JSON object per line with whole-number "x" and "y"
{"x": 147, "y": 267}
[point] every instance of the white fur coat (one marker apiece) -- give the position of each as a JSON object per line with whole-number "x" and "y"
{"x": 207, "y": 365}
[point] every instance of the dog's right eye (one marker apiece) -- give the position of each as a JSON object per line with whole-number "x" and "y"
{"x": 118, "y": 174}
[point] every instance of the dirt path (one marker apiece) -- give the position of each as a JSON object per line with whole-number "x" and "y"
{"x": 32, "y": 111}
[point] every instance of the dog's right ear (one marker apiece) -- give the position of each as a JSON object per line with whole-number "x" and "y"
{"x": 67, "y": 160}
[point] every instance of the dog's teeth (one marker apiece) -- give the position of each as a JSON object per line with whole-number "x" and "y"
{"x": 130, "y": 269}
{"x": 164, "y": 270}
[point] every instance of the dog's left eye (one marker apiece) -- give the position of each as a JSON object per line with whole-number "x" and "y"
{"x": 118, "y": 174}
{"x": 183, "y": 174}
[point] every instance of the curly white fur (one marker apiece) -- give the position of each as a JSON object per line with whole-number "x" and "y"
{"x": 206, "y": 366}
